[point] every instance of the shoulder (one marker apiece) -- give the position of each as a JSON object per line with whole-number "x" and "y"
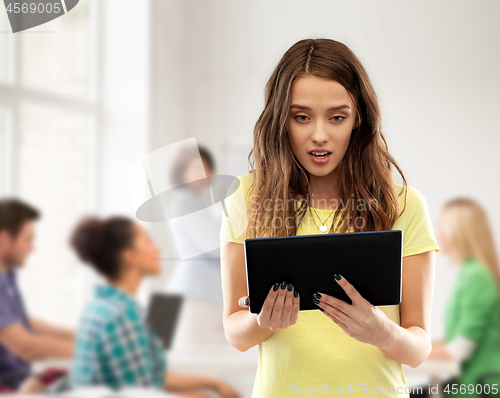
{"x": 413, "y": 199}
{"x": 245, "y": 181}
{"x": 413, "y": 195}
{"x": 102, "y": 315}
{"x": 7, "y": 278}
{"x": 240, "y": 186}
{"x": 477, "y": 277}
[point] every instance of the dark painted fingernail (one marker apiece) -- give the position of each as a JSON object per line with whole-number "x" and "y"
{"x": 321, "y": 309}
{"x": 290, "y": 287}
{"x": 315, "y": 301}
{"x": 283, "y": 285}
{"x": 245, "y": 301}
{"x": 317, "y": 295}
{"x": 296, "y": 293}
{"x": 336, "y": 276}
{"x": 276, "y": 286}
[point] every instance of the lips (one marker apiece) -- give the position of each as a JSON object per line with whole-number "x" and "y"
{"x": 319, "y": 151}
{"x": 320, "y": 156}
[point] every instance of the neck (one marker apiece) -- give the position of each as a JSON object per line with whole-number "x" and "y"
{"x": 323, "y": 190}
{"x": 458, "y": 259}
{"x": 3, "y": 266}
{"x": 129, "y": 283}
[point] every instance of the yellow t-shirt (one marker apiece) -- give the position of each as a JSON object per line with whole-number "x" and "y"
{"x": 315, "y": 356}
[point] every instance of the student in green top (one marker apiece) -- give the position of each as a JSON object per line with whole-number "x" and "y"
{"x": 472, "y": 314}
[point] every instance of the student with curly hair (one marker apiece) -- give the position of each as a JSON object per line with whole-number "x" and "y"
{"x": 114, "y": 345}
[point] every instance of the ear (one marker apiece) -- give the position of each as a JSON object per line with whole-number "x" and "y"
{"x": 129, "y": 258}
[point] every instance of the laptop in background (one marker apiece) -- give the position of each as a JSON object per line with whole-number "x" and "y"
{"x": 163, "y": 314}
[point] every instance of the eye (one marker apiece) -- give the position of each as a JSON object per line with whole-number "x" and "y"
{"x": 334, "y": 117}
{"x": 300, "y": 116}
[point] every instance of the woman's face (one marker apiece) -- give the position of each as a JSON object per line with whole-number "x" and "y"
{"x": 315, "y": 127}
{"x": 196, "y": 170}
{"x": 196, "y": 173}
{"x": 144, "y": 254}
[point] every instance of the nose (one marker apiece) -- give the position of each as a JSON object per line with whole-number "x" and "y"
{"x": 319, "y": 134}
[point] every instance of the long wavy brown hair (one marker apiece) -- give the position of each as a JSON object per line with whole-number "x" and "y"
{"x": 365, "y": 170}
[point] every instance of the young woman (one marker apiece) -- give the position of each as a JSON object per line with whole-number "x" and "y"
{"x": 321, "y": 165}
{"x": 114, "y": 346}
{"x": 472, "y": 316}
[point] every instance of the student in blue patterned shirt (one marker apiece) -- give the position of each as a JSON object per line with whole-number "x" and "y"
{"x": 114, "y": 346}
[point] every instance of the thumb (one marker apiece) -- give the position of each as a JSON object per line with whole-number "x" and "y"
{"x": 244, "y": 302}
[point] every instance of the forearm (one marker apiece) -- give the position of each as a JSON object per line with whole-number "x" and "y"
{"x": 180, "y": 381}
{"x": 439, "y": 350}
{"x": 243, "y": 331}
{"x": 46, "y": 347}
{"x": 43, "y": 328}
{"x": 410, "y": 346}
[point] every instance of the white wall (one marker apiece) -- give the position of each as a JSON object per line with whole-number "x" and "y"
{"x": 124, "y": 97}
{"x": 122, "y": 70}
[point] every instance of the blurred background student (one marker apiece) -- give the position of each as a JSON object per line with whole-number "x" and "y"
{"x": 23, "y": 339}
{"x": 198, "y": 278}
{"x": 472, "y": 314}
{"x": 114, "y": 345}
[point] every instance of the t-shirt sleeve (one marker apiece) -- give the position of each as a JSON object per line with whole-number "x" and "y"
{"x": 85, "y": 364}
{"x": 418, "y": 236}
{"x": 478, "y": 297}
{"x": 234, "y": 217}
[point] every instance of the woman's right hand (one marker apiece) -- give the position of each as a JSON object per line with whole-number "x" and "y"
{"x": 280, "y": 309}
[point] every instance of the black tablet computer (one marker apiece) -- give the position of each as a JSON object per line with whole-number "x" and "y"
{"x": 371, "y": 261}
{"x": 162, "y": 316}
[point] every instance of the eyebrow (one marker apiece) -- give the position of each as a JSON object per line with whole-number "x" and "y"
{"x": 333, "y": 108}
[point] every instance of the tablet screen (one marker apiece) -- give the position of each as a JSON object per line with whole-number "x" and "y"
{"x": 370, "y": 261}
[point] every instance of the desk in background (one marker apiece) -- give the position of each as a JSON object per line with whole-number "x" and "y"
{"x": 227, "y": 361}
{"x": 432, "y": 371}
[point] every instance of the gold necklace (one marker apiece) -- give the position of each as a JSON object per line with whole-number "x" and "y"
{"x": 323, "y": 228}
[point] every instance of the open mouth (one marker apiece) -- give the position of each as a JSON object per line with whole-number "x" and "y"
{"x": 320, "y": 155}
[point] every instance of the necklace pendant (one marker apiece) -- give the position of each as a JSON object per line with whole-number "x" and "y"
{"x": 323, "y": 228}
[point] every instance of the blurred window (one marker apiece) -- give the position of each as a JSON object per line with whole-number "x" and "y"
{"x": 48, "y": 125}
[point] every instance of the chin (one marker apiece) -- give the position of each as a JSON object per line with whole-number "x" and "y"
{"x": 319, "y": 171}
{"x": 324, "y": 174}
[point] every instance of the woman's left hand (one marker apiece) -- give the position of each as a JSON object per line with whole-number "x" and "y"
{"x": 360, "y": 320}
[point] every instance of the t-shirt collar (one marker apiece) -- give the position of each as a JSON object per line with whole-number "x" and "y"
{"x": 469, "y": 260}
{"x": 8, "y": 277}
{"x": 110, "y": 291}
